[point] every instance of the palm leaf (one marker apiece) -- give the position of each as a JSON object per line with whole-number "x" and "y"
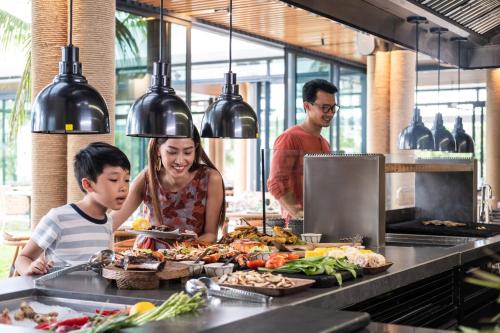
{"x": 13, "y": 30}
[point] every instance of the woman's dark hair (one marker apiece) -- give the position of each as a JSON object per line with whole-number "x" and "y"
{"x": 91, "y": 160}
{"x": 200, "y": 159}
{"x": 310, "y": 89}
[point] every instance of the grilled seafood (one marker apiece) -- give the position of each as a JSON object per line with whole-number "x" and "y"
{"x": 251, "y": 233}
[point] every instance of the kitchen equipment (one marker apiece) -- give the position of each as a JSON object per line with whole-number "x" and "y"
{"x": 95, "y": 263}
{"x": 484, "y": 205}
{"x": 344, "y": 195}
{"x": 211, "y": 288}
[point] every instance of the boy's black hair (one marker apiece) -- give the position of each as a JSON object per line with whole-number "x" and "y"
{"x": 91, "y": 160}
{"x": 310, "y": 89}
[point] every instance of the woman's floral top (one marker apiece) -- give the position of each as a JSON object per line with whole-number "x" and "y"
{"x": 183, "y": 210}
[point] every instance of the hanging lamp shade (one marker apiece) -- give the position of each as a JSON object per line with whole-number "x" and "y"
{"x": 464, "y": 143}
{"x": 69, "y": 105}
{"x": 443, "y": 140}
{"x": 416, "y": 135}
{"x": 159, "y": 112}
{"x": 229, "y": 116}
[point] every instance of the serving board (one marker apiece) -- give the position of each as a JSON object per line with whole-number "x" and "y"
{"x": 323, "y": 280}
{"x": 143, "y": 280}
{"x": 299, "y": 284}
{"x": 376, "y": 270}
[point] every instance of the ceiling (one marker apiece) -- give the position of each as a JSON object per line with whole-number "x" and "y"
{"x": 331, "y": 28}
{"x": 274, "y": 21}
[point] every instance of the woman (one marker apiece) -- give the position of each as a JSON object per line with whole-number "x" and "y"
{"x": 180, "y": 188}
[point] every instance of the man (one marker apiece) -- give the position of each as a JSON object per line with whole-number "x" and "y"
{"x": 286, "y": 176}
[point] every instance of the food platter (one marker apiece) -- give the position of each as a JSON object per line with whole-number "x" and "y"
{"x": 299, "y": 285}
{"x": 174, "y": 234}
{"x": 376, "y": 270}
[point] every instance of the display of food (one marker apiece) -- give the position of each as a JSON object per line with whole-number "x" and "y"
{"x": 250, "y": 232}
{"x": 446, "y": 223}
{"x": 360, "y": 257}
{"x": 193, "y": 251}
{"x": 140, "y": 259}
{"x": 103, "y": 321}
{"x": 255, "y": 279}
{"x": 317, "y": 266}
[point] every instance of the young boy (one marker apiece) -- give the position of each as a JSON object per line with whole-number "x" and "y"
{"x": 72, "y": 233}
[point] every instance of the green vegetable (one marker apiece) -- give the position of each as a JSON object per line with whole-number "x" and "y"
{"x": 175, "y": 305}
{"x": 317, "y": 266}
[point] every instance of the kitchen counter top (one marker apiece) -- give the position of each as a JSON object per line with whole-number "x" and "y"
{"x": 411, "y": 264}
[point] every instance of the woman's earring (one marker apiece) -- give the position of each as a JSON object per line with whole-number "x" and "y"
{"x": 159, "y": 165}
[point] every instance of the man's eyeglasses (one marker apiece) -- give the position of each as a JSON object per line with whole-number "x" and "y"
{"x": 325, "y": 108}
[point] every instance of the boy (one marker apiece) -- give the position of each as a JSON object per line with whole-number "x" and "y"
{"x": 72, "y": 233}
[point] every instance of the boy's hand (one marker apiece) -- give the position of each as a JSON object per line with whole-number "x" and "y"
{"x": 40, "y": 266}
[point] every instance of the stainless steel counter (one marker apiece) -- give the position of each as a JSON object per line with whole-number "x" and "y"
{"x": 411, "y": 264}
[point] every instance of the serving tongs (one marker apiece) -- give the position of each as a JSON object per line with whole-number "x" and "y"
{"x": 209, "y": 287}
{"x": 95, "y": 263}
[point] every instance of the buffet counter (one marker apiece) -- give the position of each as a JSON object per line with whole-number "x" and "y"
{"x": 411, "y": 264}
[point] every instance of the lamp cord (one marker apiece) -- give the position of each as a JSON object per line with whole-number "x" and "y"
{"x": 439, "y": 69}
{"x": 416, "y": 64}
{"x": 230, "y": 33}
{"x": 70, "y": 38}
{"x": 160, "y": 52}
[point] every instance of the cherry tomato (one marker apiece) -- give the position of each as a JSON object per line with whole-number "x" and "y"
{"x": 292, "y": 256}
{"x": 254, "y": 264}
{"x": 275, "y": 262}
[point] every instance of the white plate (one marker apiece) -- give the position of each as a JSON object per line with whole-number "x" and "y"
{"x": 174, "y": 234}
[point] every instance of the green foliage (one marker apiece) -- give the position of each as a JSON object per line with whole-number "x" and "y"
{"x": 16, "y": 32}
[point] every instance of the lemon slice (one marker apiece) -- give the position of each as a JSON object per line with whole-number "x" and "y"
{"x": 141, "y": 307}
{"x": 140, "y": 223}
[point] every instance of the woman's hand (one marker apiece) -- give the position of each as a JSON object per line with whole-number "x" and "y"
{"x": 40, "y": 266}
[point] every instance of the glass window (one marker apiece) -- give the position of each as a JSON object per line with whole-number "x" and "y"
{"x": 179, "y": 58}
{"x": 309, "y": 69}
{"x": 351, "y": 90}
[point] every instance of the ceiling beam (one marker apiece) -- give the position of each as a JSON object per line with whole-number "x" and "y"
{"x": 368, "y": 16}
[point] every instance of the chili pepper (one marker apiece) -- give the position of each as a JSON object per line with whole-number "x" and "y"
{"x": 43, "y": 326}
{"x": 107, "y": 312}
{"x": 79, "y": 321}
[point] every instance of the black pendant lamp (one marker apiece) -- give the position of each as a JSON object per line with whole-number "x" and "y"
{"x": 443, "y": 140}
{"x": 416, "y": 135}
{"x": 69, "y": 105}
{"x": 464, "y": 142}
{"x": 160, "y": 112}
{"x": 229, "y": 116}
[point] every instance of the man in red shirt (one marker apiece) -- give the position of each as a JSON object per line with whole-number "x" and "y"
{"x": 286, "y": 176}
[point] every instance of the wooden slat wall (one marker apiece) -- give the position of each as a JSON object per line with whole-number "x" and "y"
{"x": 273, "y": 20}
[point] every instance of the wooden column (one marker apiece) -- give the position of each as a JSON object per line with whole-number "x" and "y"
{"x": 216, "y": 153}
{"x": 402, "y": 88}
{"x": 48, "y": 35}
{"x": 378, "y": 103}
{"x": 94, "y": 34}
{"x": 492, "y": 155}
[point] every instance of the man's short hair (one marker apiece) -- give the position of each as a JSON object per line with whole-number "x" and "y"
{"x": 310, "y": 89}
{"x": 91, "y": 160}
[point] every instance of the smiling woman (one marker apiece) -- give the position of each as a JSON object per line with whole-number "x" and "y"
{"x": 180, "y": 188}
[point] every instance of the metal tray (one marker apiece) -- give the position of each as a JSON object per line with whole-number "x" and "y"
{"x": 300, "y": 284}
{"x": 174, "y": 234}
